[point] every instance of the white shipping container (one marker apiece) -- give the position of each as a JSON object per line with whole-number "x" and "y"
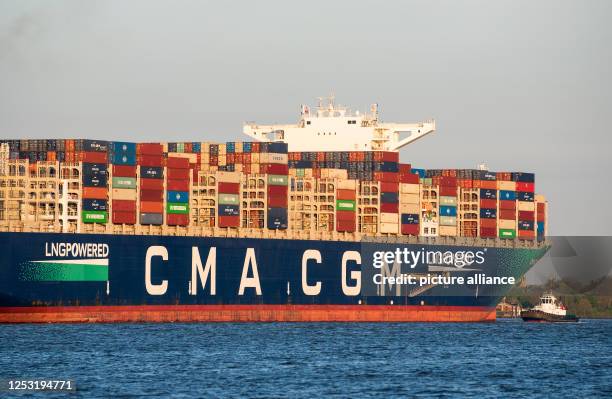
{"x": 506, "y": 185}
{"x": 389, "y": 218}
{"x": 123, "y": 194}
{"x": 506, "y": 224}
{"x": 389, "y": 228}
{"x": 448, "y": 221}
{"x": 273, "y": 158}
{"x": 409, "y": 198}
{"x": 448, "y": 231}
{"x": 526, "y": 206}
{"x": 410, "y": 208}
{"x": 228, "y": 177}
{"x": 346, "y": 184}
{"x": 407, "y": 188}
{"x": 444, "y": 200}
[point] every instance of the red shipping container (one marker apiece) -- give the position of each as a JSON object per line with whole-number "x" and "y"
{"x": 151, "y": 207}
{"x": 525, "y": 187}
{"x": 488, "y": 203}
{"x": 541, "y": 207}
{"x": 173, "y": 219}
{"x": 507, "y": 204}
{"x": 152, "y": 184}
{"x": 345, "y": 226}
{"x": 507, "y": 214}
{"x": 149, "y": 149}
{"x": 488, "y": 223}
{"x": 94, "y": 157}
{"x": 449, "y": 172}
{"x": 503, "y": 176}
{"x": 255, "y": 147}
{"x": 410, "y": 229}
{"x": 124, "y": 205}
{"x": 95, "y": 193}
{"x": 177, "y": 163}
{"x": 123, "y": 217}
{"x": 541, "y": 216}
{"x": 178, "y": 185}
{"x": 274, "y": 191}
{"x": 405, "y": 168}
{"x": 389, "y": 187}
{"x": 386, "y": 176}
{"x": 488, "y": 232}
{"x": 246, "y": 158}
{"x": 386, "y": 156}
{"x": 230, "y": 158}
{"x": 213, "y": 160}
{"x": 124, "y": 171}
{"x": 278, "y": 201}
{"x": 389, "y": 208}
{"x": 188, "y": 147}
{"x": 151, "y": 195}
{"x": 229, "y": 221}
{"x": 409, "y": 178}
{"x": 234, "y": 188}
{"x": 194, "y": 175}
{"x": 178, "y": 174}
{"x": 346, "y": 216}
{"x": 526, "y": 215}
{"x": 345, "y": 194}
{"x": 274, "y": 169}
{"x": 446, "y": 191}
{"x": 526, "y": 234}
{"x": 246, "y": 169}
{"x": 150, "y": 160}
{"x": 465, "y": 183}
{"x": 448, "y": 181}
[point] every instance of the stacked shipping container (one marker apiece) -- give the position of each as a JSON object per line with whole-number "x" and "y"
{"x": 177, "y": 194}
{"x": 229, "y": 199}
{"x": 94, "y": 206}
{"x": 150, "y": 158}
{"x": 124, "y": 186}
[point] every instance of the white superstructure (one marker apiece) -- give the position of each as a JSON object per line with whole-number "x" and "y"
{"x": 336, "y": 128}
{"x": 549, "y": 304}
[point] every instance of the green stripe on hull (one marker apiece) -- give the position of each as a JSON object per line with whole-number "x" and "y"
{"x": 41, "y": 271}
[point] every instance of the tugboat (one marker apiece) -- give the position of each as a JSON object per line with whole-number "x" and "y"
{"x": 550, "y": 310}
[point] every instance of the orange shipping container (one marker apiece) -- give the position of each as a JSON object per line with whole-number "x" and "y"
{"x": 151, "y": 207}
{"x": 488, "y": 223}
{"x": 95, "y": 193}
{"x": 345, "y": 194}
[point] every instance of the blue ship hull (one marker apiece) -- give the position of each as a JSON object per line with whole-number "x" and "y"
{"x": 86, "y": 277}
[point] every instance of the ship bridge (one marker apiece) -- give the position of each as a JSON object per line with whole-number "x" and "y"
{"x": 335, "y": 128}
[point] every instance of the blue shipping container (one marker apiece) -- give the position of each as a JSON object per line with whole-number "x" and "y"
{"x": 420, "y": 172}
{"x": 178, "y": 196}
{"x": 277, "y": 218}
{"x": 94, "y": 169}
{"x": 507, "y": 195}
{"x": 523, "y": 177}
{"x": 196, "y": 147}
{"x": 119, "y": 146}
{"x": 229, "y": 210}
{"x": 100, "y": 180}
{"x": 487, "y": 213}
{"x": 410, "y": 218}
{"x": 151, "y": 172}
{"x": 524, "y": 196}
{"x": 279, "y": 148}
{"x": 540, "y": 227}
{"x": 124, "y": 158}
{"x": 487, "y": 193}
{"x": 389, "y": 198}
{"x": 446, "y": 210}
{"x": 95, "y": 146}
{"x": 94, "y": 205}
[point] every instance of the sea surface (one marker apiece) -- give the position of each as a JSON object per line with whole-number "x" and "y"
{"x": 508, "y": 358}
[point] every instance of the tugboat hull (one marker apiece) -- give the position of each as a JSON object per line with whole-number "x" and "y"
{"x": 537, "y": 316}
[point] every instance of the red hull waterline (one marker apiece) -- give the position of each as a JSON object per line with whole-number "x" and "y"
{"x": 246, "y": 313}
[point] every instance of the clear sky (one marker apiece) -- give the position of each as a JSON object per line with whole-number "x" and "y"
{"x": 520, "y": 85}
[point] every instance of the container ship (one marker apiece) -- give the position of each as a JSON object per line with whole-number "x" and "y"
{"x": 317, "y": 221}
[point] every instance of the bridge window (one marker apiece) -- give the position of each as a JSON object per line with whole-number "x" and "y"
{"x": 308, "y": 122}
{"x": 351, "y": 122}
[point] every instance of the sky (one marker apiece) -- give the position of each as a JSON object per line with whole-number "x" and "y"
{"x": 518, "y": 85}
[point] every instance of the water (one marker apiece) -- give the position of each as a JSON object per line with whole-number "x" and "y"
{"x": 503, "y": 359}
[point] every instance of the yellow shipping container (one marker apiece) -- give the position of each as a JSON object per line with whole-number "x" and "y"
{"x": 540, "y": 198}
{"x": 238, "y": 145}
{"x": 255, "y": 157}
{"x": 222, "y": 160}
{"x": 222, "y": 149}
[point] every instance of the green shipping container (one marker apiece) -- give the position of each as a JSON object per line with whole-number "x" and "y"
{"x": 172, "y": 207}
{"x": 427, "y": 181}
{"x": 94, "y": 216}
{"x": 229, "y": 199}
{"x": 299, "y": 172}
{"x": 345, "y": 205}
{"x": 277, "y": 180}
{"x": 507, "y": 233}
{"x": 124, "y": 182}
